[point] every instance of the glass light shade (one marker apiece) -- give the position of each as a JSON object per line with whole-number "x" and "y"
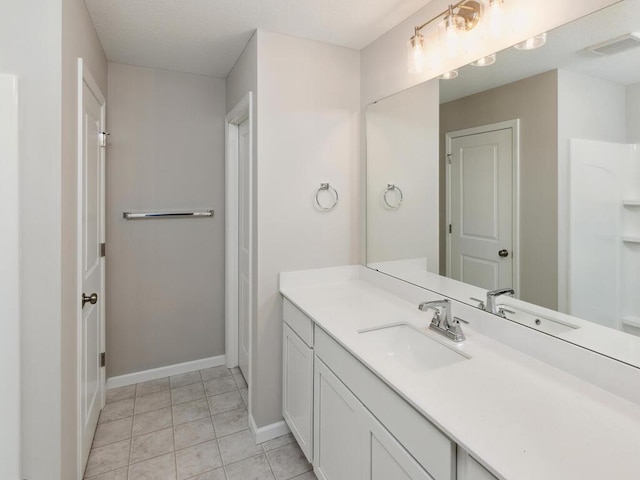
{"x": 416, "y": 54}
{"x": 532, "y": 43}
{"x": 485, "y": 61}
{"x": 449, "y": 75}
{"x": 495, "y": 18}
{"x": 451, "y": 33}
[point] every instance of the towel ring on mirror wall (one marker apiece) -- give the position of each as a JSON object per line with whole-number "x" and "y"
{"x": 332, "y": 191}
{"x": 390, "y": 188}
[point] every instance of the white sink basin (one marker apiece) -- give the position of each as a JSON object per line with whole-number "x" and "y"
{"x": 402, "y": 346}
{"x": 538, "y": 322}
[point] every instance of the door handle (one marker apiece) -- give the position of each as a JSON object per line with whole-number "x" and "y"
{"x": 503, "y": 253}
{"x": 92, "y": 299}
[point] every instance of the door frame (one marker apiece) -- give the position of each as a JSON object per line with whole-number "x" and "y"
{"x": 241, "y": 112}
{"x": 514, "y": 125}
{"x": 85, "y": 77}
{"x": 10, "y": 366}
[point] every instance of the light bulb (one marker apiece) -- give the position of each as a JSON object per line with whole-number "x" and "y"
{"x": 416, "y": 54}
{"x": 532, "y": 43}
{"x": 485, "y": 61}
{"x": 495, "y": 17}
{"x": 449, "y": 75}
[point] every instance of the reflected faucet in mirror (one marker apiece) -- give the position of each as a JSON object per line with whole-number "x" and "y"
{"x": 491, "y": 300}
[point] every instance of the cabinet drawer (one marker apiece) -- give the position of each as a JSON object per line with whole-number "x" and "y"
{"x": 298, "y": 321}
{"x": 433, "y": 450}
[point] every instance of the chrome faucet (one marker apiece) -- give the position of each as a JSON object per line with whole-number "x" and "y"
{"x": 491, "y": 300}
{"x": 442, "y": 321}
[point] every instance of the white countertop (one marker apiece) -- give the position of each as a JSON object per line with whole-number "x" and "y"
{"x": 521, "y": 418}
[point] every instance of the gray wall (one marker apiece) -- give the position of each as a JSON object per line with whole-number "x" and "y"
{"x": 165, "y": 278}
{"x": 79, "y": 39}
{"x": 534, "y": 101}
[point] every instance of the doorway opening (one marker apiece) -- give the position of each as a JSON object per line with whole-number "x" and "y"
{"x": 239, "y": 274}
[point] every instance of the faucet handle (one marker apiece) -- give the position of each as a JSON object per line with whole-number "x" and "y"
{"x": 503, "y": 311}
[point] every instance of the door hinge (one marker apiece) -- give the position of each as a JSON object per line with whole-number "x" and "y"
{"x": 450, "y": 229}
{"x": 449, "y": 158}
{"x": 103, "y": 249}
{"x": 103, "y": 138}
{"x": 103, "y": 359}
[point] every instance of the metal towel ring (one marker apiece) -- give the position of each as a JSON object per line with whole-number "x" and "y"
{"x": 391, "y": 187}
{"x": 329, "y": 188}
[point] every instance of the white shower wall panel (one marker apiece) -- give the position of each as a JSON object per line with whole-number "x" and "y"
{"x": 602, "y": 267}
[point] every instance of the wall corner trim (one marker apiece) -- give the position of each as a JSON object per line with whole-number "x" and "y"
{"x": 161, "y": 372}
{"x": 268, "y": 432}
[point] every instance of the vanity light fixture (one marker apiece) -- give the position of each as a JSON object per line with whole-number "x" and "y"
{"x": 449, "y": 75}
{"x": 459, "y": 17}
{"x": 532, "y": 43}
{"x": 485, "y": 61}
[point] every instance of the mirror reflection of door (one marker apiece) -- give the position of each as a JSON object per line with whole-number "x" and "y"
{"x": 480, "y": 208}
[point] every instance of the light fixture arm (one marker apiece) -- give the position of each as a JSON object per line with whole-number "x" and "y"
{"x": 469, "y": 10}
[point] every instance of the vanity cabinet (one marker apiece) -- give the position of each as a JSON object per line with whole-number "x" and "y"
{"x": 350, "y": 443}
{"x": 350, "y": 424}
{"x": 297, "y": 385}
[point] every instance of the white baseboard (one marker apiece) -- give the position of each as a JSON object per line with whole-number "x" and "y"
{"x": 268, "y": 432}
{"x": 153, "y": 374}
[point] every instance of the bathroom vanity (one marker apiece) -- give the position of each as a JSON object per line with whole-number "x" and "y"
{"x": 369, "y": 392}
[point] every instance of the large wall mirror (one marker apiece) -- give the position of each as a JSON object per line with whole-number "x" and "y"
{"x": 530, "y": 167}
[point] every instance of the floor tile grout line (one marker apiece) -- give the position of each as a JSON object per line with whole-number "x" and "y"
{"x": 270, "y": 466}
{"x": 131, "y": 436}
{"x": 173, "y": 432}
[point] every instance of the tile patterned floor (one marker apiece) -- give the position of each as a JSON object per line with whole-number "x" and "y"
{"x": 190, "y": 426}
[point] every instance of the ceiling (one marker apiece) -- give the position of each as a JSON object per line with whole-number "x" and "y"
{"x": 565, "y": 49}
{"x": 207, "y": 36}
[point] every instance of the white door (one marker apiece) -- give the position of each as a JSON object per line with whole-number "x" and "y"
{"x": 244, "y": 246}
{"x": 481, "y": 208}
{"x": 90, "y": 191}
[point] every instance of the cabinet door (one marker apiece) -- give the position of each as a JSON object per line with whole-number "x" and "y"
{"x": 337, "y": 428}
{"x": 297, "y": 390}
{"x": 385, "y": 458}
{"x": 470, "y": 469}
